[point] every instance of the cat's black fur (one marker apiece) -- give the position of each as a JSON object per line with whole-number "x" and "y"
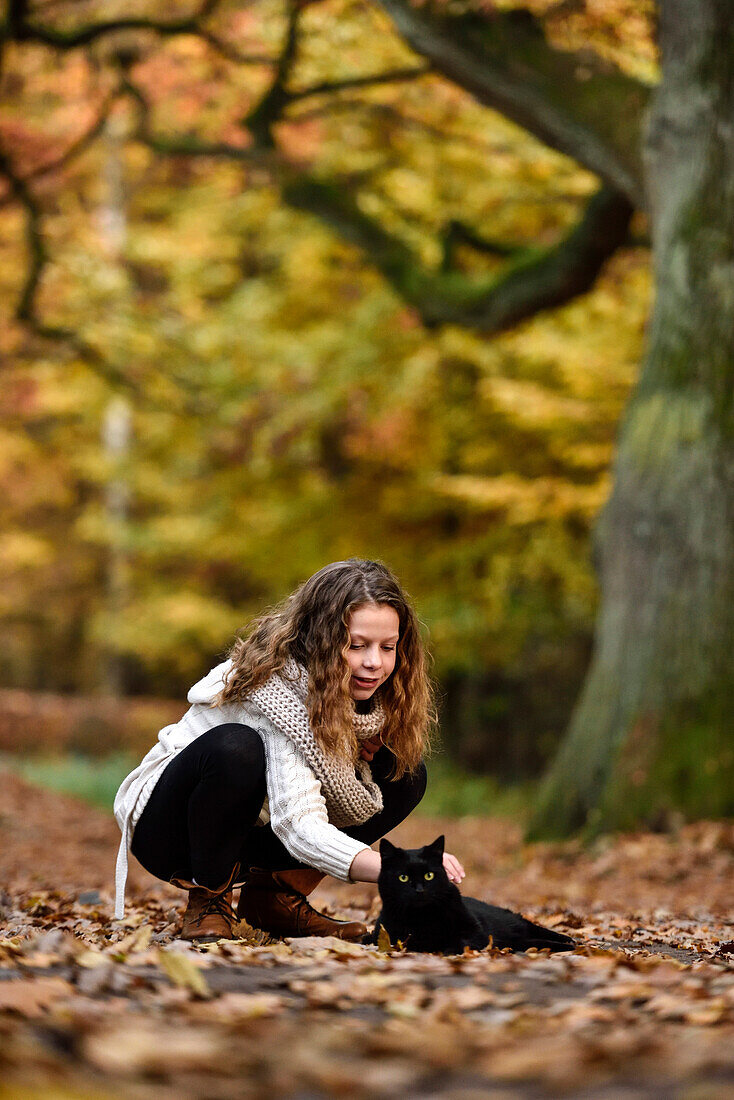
{"x": 429, "y": 914}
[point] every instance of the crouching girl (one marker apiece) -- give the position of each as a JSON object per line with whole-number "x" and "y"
{"x": 297, "y": 753}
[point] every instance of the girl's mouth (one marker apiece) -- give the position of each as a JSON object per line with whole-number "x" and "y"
{"x": 362, "y": 682}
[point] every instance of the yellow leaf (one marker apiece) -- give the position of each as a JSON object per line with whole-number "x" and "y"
{"x": 91, "y": 959}
{"x": 183, "y": 972}
{"x": 383, "y": 941}
{"x": 139, "y": 940}
{"x": 401, "y": 1009}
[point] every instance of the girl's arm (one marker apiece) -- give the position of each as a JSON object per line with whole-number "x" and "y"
{"x": 366, "y": 867}
{"x": 298, "y": 814}
{"x": 299, "y": 819}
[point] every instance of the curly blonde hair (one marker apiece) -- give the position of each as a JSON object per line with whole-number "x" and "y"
{"x": 311, "y": 626}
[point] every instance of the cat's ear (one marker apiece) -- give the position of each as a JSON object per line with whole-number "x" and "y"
{"x": 387, "y": 849}
{"x": 437, "y": 846}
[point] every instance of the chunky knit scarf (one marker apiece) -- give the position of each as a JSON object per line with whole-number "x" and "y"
{"x": 349, "y": 791}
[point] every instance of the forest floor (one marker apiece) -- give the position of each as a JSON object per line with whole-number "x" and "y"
{"x": 94, "y": 1009}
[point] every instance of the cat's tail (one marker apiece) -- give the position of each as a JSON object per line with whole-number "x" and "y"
{"x": 546, "y": 938}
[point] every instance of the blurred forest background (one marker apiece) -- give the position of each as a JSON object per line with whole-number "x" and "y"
{"x": 284, "y": 283}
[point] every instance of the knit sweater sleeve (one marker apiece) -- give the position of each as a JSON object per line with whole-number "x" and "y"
{"x": 298, "y": 814}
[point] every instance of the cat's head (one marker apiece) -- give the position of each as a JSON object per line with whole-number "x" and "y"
{"x": 415, "y": 876}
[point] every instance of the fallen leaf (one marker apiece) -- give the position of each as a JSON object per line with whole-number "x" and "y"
{"x": 143, "y": 1048}
{"x": 183, "y": 972}
{"x": 383, "y": 941}
{"x": 707, "y": 1013}
{"x": 307, "y": 945}
{"x": 32, "y": 996}
{"x": 89, "y": 958}
{"x": 136, "y": 941}
{"x": 232, "y": 1007}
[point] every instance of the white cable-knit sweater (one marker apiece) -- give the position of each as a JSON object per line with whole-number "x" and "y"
{"x": 295, "y": 805}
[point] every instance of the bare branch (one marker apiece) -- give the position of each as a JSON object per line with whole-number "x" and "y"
{"x": 536, "y": 280}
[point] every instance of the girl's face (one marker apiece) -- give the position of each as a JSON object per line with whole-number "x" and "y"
{"x": 374, "y": 629}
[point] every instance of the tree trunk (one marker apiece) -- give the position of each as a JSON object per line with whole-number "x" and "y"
{"x": 653, "y": 730}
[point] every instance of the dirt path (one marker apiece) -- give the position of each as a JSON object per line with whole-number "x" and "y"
{"x": 93, "y": 1008}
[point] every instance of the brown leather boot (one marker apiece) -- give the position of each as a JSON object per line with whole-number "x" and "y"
{"x": 275, "y": 902}
{"x": 209, "y": 914}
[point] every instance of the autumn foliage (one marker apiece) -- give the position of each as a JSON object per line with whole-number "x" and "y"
{"x": 281, "y": 401}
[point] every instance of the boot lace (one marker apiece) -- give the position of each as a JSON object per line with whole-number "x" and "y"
{"x": 217, "y": 905}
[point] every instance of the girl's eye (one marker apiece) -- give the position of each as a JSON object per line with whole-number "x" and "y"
{"x": 429, "y": 875}
{"x": 403, "y": 878}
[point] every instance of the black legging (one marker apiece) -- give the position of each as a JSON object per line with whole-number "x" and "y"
{"x": 199, "y": 820}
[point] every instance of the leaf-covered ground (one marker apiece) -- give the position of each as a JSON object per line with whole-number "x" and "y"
{"x": 92, "y": 1008}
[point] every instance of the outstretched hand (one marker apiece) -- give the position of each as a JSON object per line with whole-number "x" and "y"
{"x": 453, "y": 868}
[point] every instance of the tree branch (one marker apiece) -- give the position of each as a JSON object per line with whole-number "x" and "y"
{"x": 19, "y": 28}
{"x": 457, "y": 234}
{"x": 537, "y": 280}
{"x": 269, "y": 110}
{"x": 505, "y": 62}
{"x": 76, "y": 147}
{"x": 26, "y": 309}
{"x": 389, "y": 113}
{"x": 571, "y": 101}
{"x": 229, "y": 53}
{"x": 185, "y": 146}
{"x": 391, "y": 76}
{"x": 37, "y": 251}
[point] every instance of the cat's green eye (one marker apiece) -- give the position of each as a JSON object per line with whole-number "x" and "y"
{"x": 429, "y": 875}
{"x": 403, "y": 878}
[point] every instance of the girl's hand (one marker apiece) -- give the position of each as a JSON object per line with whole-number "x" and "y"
{"x": 369, "y": 748}
{"x": 453, "y": 868}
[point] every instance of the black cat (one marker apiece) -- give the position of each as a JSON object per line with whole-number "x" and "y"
{"x": 425, "y": 912}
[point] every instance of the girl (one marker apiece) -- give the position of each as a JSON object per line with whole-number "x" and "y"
{"x": 298, "y": 752}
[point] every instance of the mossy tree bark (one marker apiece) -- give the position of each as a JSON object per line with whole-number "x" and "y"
{"x": 653, "y": 729}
